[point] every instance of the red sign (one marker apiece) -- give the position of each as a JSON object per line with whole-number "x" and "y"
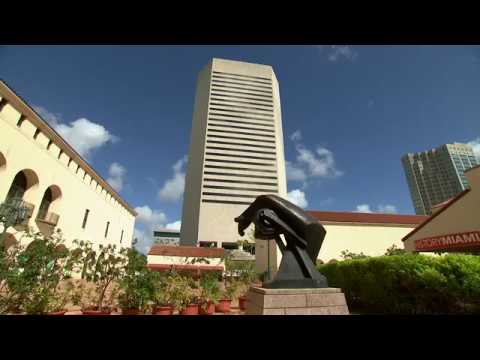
{"x": 449, "y": 242}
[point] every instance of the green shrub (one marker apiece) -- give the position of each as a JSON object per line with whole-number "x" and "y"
{"x": 409, "y": 283}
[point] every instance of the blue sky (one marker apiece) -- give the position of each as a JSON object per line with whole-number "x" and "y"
{"x": 355, "y": 110}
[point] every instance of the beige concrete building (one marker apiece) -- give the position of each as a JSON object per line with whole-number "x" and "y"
{"x": 454, "y": 225}
{"x": 368, "y": 233}
{"x": 58, "y": 187}
{"x": 236, "y": 152}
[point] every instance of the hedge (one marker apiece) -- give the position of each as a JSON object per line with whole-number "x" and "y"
{"x": 409, "y": 284}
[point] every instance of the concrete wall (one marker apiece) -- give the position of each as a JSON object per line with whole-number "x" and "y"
{"x": 20, "y": 151}
{"x": 372, "y": 240}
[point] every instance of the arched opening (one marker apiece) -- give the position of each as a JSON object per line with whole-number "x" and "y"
{"x": 3, "y": 162}
{"x": 48, "y": 205}
{"x": 23, "y": 181}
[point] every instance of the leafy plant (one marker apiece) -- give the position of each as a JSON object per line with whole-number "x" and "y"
{"x": 136, "y": 283}
{"x": 231, "y": 289}
{"x": 101, "y": 267}
{"x": 181, "y": 290}
{"x": 210, "y": 289}
{"x": 394, "y": 250}
{"x": 31, "y": 274}
{"x": 409, "y": 283}
{"x": 348, "y": 255}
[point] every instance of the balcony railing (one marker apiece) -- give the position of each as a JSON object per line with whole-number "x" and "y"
{"x": 15, "y": 211}
{"x": 50, "y": 218}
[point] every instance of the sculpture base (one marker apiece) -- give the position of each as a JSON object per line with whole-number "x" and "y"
{"x": 323, "y": 301}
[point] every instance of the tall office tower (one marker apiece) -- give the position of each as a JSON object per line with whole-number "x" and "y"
{"x": 437, "y": 175}
{"x": 236, "y": 150}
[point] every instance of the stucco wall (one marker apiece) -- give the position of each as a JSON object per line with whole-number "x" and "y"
{"x": 21, "y": 151}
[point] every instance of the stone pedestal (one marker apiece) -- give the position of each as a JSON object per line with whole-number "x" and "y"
{"x": 323, "y": 301}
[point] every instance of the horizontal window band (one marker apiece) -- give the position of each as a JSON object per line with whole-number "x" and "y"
{"x": 238, "y": 144}
{"x": 227, "y": 94}
{"x": 234, "y": 88}
{"x": 240, "y": 182}
{"x": 263, "y": 97}
{"x": 228, "y": 195}
{"x": 240, "y": 127}
{"x": 241, "y": 156}
{"x": 269, "y": 111}
{"x": 227, "y": 109}
{"x": 237, "y": 168}
{"x": 226, "y": 202}
{"x": 268, "y": 125}
{"x": 240, "y": 133}
{"x": 240, "y": 175}
{"x": 238, "y": 188}
{"x": 240, "y": 162}
{"x": 255, "y": 103}
{"x": 214, "y": 113}
{"x": 239, "y": 138}
{"x": 243, "y": 76}
{"x": 216, "y": 76}
{"x": 216, "y": 79}
{"x": 242, "y": 150}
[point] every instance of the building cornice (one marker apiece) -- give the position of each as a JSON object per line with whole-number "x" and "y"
{"x": 22, "y": 106}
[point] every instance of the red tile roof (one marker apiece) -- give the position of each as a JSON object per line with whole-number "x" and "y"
{"x": 159, "y": 267}
{"x": 186, "y": 251}
{"x": 430, "y": 218}
{"x": 367, "y": 218}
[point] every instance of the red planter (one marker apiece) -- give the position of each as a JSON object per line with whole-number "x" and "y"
{"x": 163, "y": 310}
{"x": 56, "y": 313}
{"x": 207, "y": 309}
{"x": 130, "y": 312}
{"x": 191, "y": 309}
{"x": 242, "y": 302}
{"x": 223, "y": 306}
{"x": 96, "y": 312}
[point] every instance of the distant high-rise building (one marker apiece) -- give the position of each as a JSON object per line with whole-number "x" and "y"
{"x": 437, "y": 175}
{"x": 236, "y": 150}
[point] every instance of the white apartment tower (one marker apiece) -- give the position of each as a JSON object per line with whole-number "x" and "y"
{"x": 236, "y": 149}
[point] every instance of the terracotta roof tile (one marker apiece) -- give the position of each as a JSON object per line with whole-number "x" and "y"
{"x": 367, "y": 218}
{"x": 186, "y": 251}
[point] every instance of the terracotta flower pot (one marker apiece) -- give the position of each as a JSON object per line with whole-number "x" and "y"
{"x": 242, "y": 302}
{"x": 57, "y": 312}
{"x": 208, "y": 308}
{"x": 163, "y": 310}
{"x": 223, "y": 306}
{"x": 191, "y": 309}
{"x": 130, "y": 312}
{"x": 95, "y": 312}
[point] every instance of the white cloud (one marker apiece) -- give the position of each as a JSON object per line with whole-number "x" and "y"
{"x": 337, "y": 52}
{"x": 150, "y": 220}
{"x": 385, "y": 209}
{"x": 173, "y": 188}
{"x": 175, "y": 225}
{"x": 296, "y": 136}
{"x": 297, "y": 197}
{"x": 475, "y": 144}
{"x": 319, "y": 164}
{"x": 294, "y": 173}
{"x": 82, "y": 134}
{"x": 116, "y": 174}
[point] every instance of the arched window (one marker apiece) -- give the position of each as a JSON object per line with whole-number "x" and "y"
{"x": 45, "y": 204}
{"x": 18, "y": 187}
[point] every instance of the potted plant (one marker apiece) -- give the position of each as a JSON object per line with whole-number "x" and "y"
{"x": 135, "y": 284}
{"x": 247, "y": 276}
{"x": 102, "y": 268}
{"x": 229, "y": 293}
{"x": 210, "y": 293}
{"x": 57, "y": 305}
{"x": 162, "y": 302}
{"x": 183, "y": 296}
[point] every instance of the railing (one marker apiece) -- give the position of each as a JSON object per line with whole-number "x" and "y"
{"x": 15, "y": 211}
{"x": 50, "y": 218}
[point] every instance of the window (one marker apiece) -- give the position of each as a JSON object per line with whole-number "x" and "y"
{"x": 106, "y": 229}
{"x": 45, "y": 204}
{"x": 37, "y": 132}
{"x": 85, "y": 218}
{"x": 121, "y": 237}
